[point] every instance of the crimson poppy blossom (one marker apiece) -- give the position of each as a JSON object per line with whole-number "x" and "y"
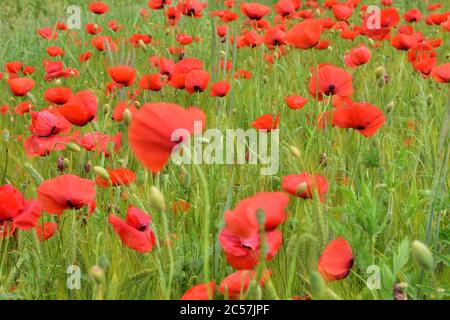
{"x": 203, "y": 291}
{"x": 243, "y": 220}
{"x": 14, "y": 67}
{"x": 330, "y": 80}
{"x": 254, "y": 10}
{"x": 153, "y": 82}
{"x": 342, "y": 12}
{"x": 46, "y": 230}
{"x": 305, "y": 185}
{"x": 48, "y": 122}
{"x": 100, "y": 142}
{"x": 304, "y": 35}
{"x": 152, "y": 129}
{"x": 117, "y": 177}
{"x": 238, "y": 282}
{"x": 220, "y": 88}
{"x": 295, "y": 102}
{"x": 119, "y": 110}
{"x": 243, "y": 253}
{"x": 442, "y": 73}
{"x": 364, "y": 117}
{"x": 135, "y": 231}
{"x": 58, "y": 95}
{"x": 357, "y": 57}
{"x": 266, "y": 122}
{"x": 98, "y": 7}
{"x": 336, "y": 260}
{"x": 81, "y": 108}
{"x": 158, "y": 4}
{"x": 123, "y": 75}
{"x": 284, "y": 7}
{"x": 20, "y": 86}
{"x": 16, "y": 211}
{"x": 42, "y": 146}
{"x": 197, "y": 81}
{"x": 66, "y": 192}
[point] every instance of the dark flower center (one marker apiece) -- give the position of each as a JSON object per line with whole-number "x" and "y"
{"x": 142, "y": 227}
{"x": 330, "y": 90}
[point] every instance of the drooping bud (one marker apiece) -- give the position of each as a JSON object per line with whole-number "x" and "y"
{"x": 301, "y": 188}
{"x": 73, "y": 147}
{"x": 157, "y": 200}
{"x": 422, "y": 255}
{"x": 380, "y": 72}
{"x": 390, "y": 107}
{"x": 101, "y": 172}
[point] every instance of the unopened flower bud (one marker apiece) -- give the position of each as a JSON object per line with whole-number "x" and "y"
{"x": 101, "y": 172}
{"x": 5, "y": 135}
{"x": 127, "y": 116}
{"x": 97, "y": 274}
{"x": 73, "y": 147}
{"x": 380, "y": 72}
{"x": 422, "y": 255}
{"x": 157, "y": 200}
{"x": 301, "y": 188}
{"x": 390, "y": 107}
{"x": 295, "y": 152}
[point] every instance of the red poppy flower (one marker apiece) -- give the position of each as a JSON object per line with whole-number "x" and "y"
{"x": 203, "y": 291}
{"x": 357, "y": 57}
{"x": 93, "y": 28}
{"x": 118, "y": 177}
{"x": 152, "y": 129}
{"x": 254, "y": 10}
{"x": 47, "y": 33}
{"x": 81, "y": 108}
{"x": 23, "y": 107}
{"x": 13, "y": 67}
{"x": 184, "y": 39}
{"x": 342, "y": 12}
{"x": 48, "y": 122}
{"x": 336, "y": 260}
{"x": 332, "y": 80}
{"x": 143, "y": 38}
{"x": 405, "y": 42}
{"x": 389, "y": 18}
{"x": 364, "y": 117}
{"x": 46, "y": 231}
{"x": 180, "y": 206}
{"x": 305, "y": 185}
{"x": 158, "y": 4}
{"x": 99, "y": 142}
{"x": 220, "y": 89}
{"x": 274, "y": 37}
{"x": 238, "y": 282}
{"x": 16, "y": 211}
{"x": 55, "y": 51}
{"x": 98, "y": 7}
{"x": 266, "y": 122}
{"x": 123, "y": 75}
{"x": 20, "y": 86}
{"x": 243, "y": 220}
{"x": 197, "y": 81}
{"x": 120, "y": 108}
{"x": 58, "y": 95}
{"x": 102, "y": 43}
{"x": 304, "y": 35}
{"x": 295, "y": 102}
{"x": 173, "y": 15}
{"x": 153, "y": 82}
{"x": 66, "y": 192}
{"x": 135, "y": 231}
{"x": 413, "y": 15}
{"x": 243, "y": 253}
{"x": 42, "y": 146}
{"x": 442, "y": 73}
{"x": 191, "y": 8}
{"x": 284, "y": 7}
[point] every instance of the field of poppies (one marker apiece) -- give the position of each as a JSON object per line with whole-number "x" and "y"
{"x": 225, "y": 149}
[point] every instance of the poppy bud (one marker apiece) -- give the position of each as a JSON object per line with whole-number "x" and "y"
{"x": 5, "y": 135}
{"x": 97, "y": 274}
{"x": 101, "y": 172}
{"x": 73, "y": 147}
{"x": 295, "y": 152}
{"x": 87, "y": 167}
{"x": 380, "y": 72}
{"x": 429, "y": 99}
{"x": 57, "y": 82}
{"x": 447, "y": 56}
{"x": 318, "y": 285}
{"x": 422, "y": 255}
{"x": 302, "y": 187}
{"x": 142, "y": 44}
{"x": 127, "y": 116}
{"x": 390, "y": 107}
{"x": 137, "y": 104}
{"x": 156, "y": 199}
{"x": 106, "y": 108}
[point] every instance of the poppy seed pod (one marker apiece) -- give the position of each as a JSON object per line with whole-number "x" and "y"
{"x": 156, "y": 199}
{"x": 101, "y": 172}
{"x": 73, "y": 147}
{"x": 422, "y": 255}
{"x": 127, "y": 116}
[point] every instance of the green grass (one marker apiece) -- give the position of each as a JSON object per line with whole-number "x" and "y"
{"x": 393, "y": 191}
